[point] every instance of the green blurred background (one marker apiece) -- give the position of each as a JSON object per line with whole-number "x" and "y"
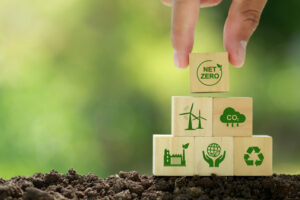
{"x": 85, "y": 84}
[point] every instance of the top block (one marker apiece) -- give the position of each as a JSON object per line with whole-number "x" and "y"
{"x": 209, "y": 72}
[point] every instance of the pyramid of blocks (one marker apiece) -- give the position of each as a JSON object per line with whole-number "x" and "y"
{"x": 211, "y": 135}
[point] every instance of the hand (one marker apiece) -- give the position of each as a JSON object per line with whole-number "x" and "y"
{"x": 208, "y": 159}
{"x": 220, "y": 159}
{"x": 242, "y": 20}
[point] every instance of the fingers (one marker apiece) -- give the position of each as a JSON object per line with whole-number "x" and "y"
{"x": 203, "y": 3}
{"x": 184, "y": 19}
{"x": 243, "y": 18}
{"x": 209, "y": 3}
{"x": 167, "y": 2}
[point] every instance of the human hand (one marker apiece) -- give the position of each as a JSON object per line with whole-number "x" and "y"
{"x": 243, "y": 18}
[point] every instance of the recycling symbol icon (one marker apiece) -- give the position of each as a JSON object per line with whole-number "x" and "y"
{"x": 251, "y": 162}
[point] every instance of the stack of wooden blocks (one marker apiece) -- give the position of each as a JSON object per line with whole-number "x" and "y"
{"x": 211, "y": 135}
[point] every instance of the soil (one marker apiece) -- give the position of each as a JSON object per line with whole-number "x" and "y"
{"x": 131, "y": 185}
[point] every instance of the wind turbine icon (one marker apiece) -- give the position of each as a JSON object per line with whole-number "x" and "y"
{"x": 190, "y": 124}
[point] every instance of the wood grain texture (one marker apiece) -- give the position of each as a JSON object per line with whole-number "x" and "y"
{"x": 180, "y": 123}
{"x": 205, "y": 75}
{"x": 241, "y": 145}
{"x": 242, "y": 105}
{"x": 202, "y": 167}
{"x": 174, "y": 145}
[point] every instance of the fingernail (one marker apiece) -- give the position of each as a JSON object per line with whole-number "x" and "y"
{"x": 242, "y": 52}
{"x": 180, "y": 60}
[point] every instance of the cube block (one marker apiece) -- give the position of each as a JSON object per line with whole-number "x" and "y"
{"x": 209, "y": 72}
{"x": 232, "y": 116}
{"x": 253, "y": 156}
{"x": 192, "y": 116}
{"x": 173, "y": 156}
{"x": 214, "y": 155}
{"x": 212, "y": 136}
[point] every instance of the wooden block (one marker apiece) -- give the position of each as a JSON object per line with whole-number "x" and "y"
{"x": 253, "y": 156}
{"x": 192, "y": 116}
{"x": 173, "y": 156}
{"x": 209, "y": 72}
{"x": 232, "y": 116}
{"x": 214, "y": 155}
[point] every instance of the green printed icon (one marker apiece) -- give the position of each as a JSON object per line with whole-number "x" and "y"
{"x": 209, "y": 74}
{"x": 190, "y": 122}
{"x": 256, "y": 151}
{"x": 212, "y": 156}
{"x": 230, "y": 116}
{"x": 175, "y": 160}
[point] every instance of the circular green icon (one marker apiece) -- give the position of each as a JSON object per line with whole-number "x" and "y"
{"x": 256, "y": 150}
{"x": 213, "y": 150}
{"x": 209, "y": 73}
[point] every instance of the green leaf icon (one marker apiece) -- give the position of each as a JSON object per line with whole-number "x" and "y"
{"x": 185, "y": 146}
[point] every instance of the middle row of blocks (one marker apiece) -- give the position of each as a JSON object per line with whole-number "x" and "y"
{"x": 208, "y": 116}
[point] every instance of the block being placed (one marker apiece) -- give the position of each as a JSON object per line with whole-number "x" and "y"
{"x": 253, "y": 156}
{"x": 209, "y": 72}
{"x": 173, "y": 156}
{"x": 214, "y": 155}
{"x": 192, "y": 116}
{"x": 232, "y": 116}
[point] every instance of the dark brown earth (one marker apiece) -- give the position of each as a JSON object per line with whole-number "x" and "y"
{"x": 130, "y": 185}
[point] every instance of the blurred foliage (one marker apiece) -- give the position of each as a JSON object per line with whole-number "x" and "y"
{"x": 85, "y": 84}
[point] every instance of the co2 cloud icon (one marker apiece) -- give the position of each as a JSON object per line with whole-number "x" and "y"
{"x": 230, "y": 116}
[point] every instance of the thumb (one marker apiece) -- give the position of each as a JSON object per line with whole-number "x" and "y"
{"x": 243, "y": 18}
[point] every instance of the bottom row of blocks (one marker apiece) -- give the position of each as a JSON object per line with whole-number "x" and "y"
{"x": 224, "y": 156}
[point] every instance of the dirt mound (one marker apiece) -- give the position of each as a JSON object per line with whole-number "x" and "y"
{"x": 130, "y": 185}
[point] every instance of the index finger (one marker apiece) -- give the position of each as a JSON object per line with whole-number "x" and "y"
{"x": 184, "y": 19}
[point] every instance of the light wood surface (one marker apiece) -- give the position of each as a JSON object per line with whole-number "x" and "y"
{"x": 241, "y": 145}
{"x": 241, "y": 106}
{"x": 181, "y": 120}
{"x": 209, "y": 72}
{"x": 208, "y": 147}
{"x": 174, "y": 146}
